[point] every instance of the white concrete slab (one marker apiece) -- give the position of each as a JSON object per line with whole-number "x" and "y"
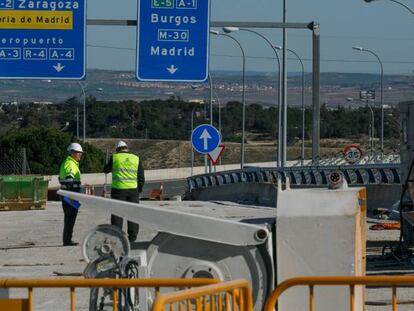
{"x": 316, "y": 234}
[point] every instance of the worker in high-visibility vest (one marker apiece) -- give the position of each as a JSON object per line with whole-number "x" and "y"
{"x": 127, "y": 182}
{"x": 70, "y": 180}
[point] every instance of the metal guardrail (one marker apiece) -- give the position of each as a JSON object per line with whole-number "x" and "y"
{"x": 94, "y": 283}
{"x": 227, "y": 296}
{"x": 355, "y": 175}
{"x": 351, "y": 281}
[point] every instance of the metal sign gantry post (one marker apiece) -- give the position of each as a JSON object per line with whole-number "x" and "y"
{"x": 313, "y": 26}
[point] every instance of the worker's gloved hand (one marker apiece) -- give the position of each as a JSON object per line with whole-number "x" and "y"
{"x": 139, "y": 189}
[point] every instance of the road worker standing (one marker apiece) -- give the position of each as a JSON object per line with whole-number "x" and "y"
{"x": 70, "y": 180}
{"x": 127, "y": 182}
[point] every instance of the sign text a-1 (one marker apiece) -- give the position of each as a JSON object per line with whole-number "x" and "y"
{"x": 173, "y": 40}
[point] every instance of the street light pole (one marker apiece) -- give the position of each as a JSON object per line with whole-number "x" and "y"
{"x": 211, "y": 119}
{"x": 84, "y": 110}
{"x": 279, "y": 94}
{"x": 243, "y": 93}
{"x": 279, "y": 102}
{"x": 192, "y": 129}
{"x": 77, "y": 121}
{"x": 302, "y": 100}
{"x": 219, "y": 119}
{"x": 284, "y": 87}
{"x": 84, "y": 90}
{"x": 357, "y": 48}
{"x": 372, "y": 129}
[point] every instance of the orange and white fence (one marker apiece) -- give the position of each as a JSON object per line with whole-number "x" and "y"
{"x": 203, "y": 294}
{"x": 350, "y": 281}
{"x": 26, "y": 304}
{"x": 226, "y": 296}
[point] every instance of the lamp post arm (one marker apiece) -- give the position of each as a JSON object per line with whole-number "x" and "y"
{"x": 399, "y": 3}
{"x": 376, "y": 56}
{"x": 267, "y": 40}
{"x": 237, "y": 42}
{"x": 299, "y": 59}
{"x": 404, "y": 5}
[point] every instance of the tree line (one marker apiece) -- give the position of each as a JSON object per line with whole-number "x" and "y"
{"x": 171, "y": 119}
{"x": 46, "y": 130}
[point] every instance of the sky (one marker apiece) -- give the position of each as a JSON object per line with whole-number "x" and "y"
{"x": 382, "y": 26}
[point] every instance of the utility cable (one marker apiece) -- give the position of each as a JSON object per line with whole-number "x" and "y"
{"x": 271, "y": 58}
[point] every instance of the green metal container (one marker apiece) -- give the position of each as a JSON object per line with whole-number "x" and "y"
{"x": 23, "y": 192}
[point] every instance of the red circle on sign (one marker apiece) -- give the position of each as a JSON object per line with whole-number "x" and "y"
{"x": 352, "y": 153}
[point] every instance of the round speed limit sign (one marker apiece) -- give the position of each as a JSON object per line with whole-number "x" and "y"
{"x": 352, "y": 153}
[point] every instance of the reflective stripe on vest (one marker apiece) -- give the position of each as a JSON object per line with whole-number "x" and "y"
{"x": 69, "y": 169}
{"x": 125, "y": 170}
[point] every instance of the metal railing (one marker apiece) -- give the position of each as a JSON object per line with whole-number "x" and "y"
{"x": 351, "y": 281}
{"x": 228, "y": 296}
{"x": 115, "y": 284}
{"x": 355, "y": 175}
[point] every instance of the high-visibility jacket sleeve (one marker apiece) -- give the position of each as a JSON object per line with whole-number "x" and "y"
{"x": 108, "y": 166}
{"x": 141, "y": 176}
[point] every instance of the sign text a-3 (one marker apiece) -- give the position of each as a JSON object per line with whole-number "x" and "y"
{"x": 42, "y": 39}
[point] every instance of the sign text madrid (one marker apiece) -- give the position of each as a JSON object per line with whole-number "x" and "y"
{"x": 42, "y": 39}
{"x": 172, "y": 40}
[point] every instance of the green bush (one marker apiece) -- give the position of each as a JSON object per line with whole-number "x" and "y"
{"x": 46, "y": 149}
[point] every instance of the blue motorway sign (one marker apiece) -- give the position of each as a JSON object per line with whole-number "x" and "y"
{"x": 173, "y": 40}
{"x": 42, "y": 39}
{"x": 205, "y": 138}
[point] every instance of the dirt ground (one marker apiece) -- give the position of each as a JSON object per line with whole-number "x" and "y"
{"x": 31, "y": 247}
{"x": 173, "y": 153}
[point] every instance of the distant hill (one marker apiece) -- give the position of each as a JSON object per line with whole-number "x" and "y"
{"x": 260, "y": 87}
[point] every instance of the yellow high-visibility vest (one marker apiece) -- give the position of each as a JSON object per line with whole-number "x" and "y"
{"x": 124, "y": 170}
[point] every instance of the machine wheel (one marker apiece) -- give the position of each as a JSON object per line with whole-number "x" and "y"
{"x": 104, "y": 239}
{"x": 171, "y": 256}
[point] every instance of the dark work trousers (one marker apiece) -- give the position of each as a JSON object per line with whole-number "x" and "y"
{"x": 129, "y": 195}
{"x": 69, "y": 222}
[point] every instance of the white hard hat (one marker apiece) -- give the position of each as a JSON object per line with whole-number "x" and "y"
{"x": 121, "y": 144}
{"x": 75, "y": 147}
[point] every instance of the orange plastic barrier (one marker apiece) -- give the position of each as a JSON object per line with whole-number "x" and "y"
{"x": 227, "y": 296}
{"x": 386, "y": 226}
{"x": 93, "y": 283}
{"x": 157, "y": 194}
{"x": 14, "y": 304}
{"x": 351, "y": 281}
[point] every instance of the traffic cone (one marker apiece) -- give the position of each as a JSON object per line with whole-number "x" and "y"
{"x": 161, "y": 191}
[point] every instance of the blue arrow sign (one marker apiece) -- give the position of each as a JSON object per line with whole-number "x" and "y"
{"x": 205, "y": 138}
{"x": 172, "y": 40}
{"x": 42, "y": 39}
